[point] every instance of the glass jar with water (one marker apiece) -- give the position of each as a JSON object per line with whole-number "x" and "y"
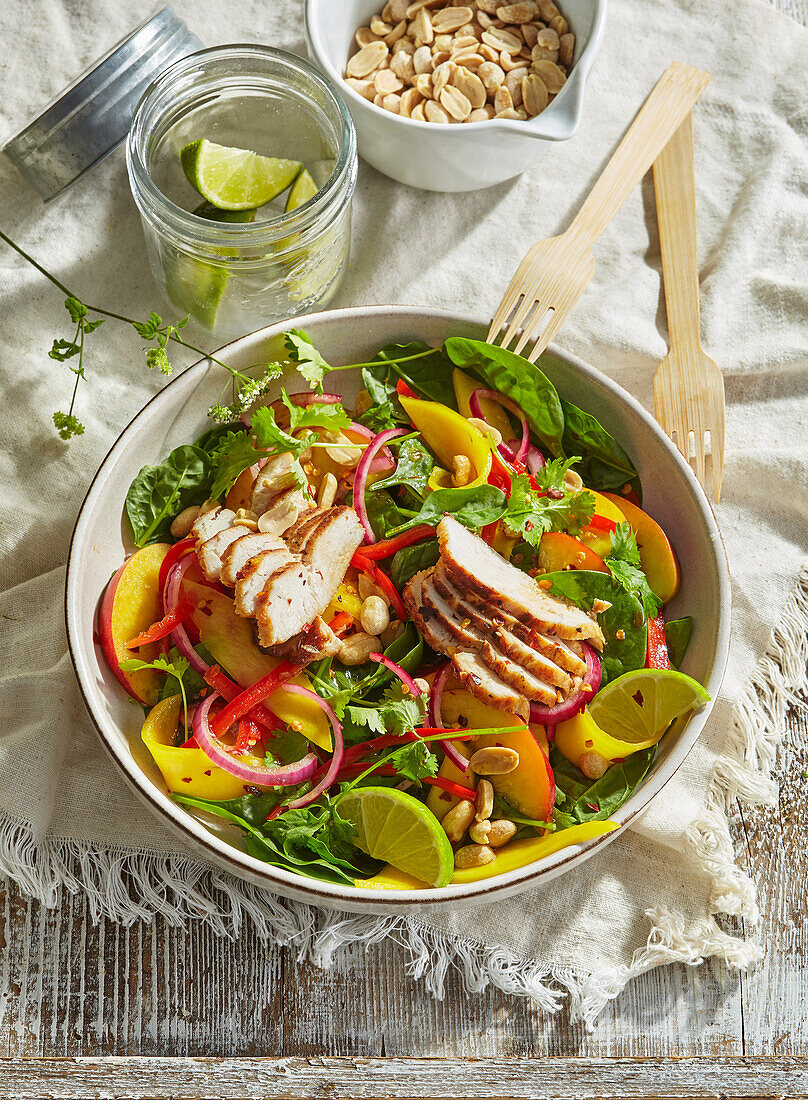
{"x": 235, "y": 276}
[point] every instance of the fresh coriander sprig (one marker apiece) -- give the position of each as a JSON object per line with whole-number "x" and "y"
{"x": 176, "y": 668}
{"x": 154, "y": 330}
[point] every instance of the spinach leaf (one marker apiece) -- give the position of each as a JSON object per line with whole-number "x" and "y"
{"x": 517, "y": 378}
{"x": 413, "y": 468}
{"x": 472, "y": 505}
{"x": 412, "y": 559}
{"x": 212, "y": 437}
{"x": 578, "y": 799}
{"x": 604, "y": 463}
{"x": 158, "y": 493}
{"x": 384, "y": 514}
{"x": 342, "y": 684}
{"x": 677, "y": 638}
{"x": 430, "y": 376}
{"x": 380, "y": 382}
{"x": 583, "y": 587}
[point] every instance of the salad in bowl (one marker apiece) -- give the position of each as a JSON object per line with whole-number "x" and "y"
{"x": 411, "y": 640}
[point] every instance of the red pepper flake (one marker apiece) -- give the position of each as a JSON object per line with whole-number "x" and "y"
{"x": 589, "y": 744}
{"x": 619, "y": 760}
{"x": 250, "y": 789}
{"x": 445, "y": 797}
{"x": 592, "y": 806}
{"x": 638, "y": 699}
{"x": 528, "y": 526}
{"x": 209, "y": 772}
{"x": 186, "y": 779}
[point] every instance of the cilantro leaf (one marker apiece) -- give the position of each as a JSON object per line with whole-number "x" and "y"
{"x": 67, "y": 425}
{"x": 532, "y": 513}
{"x": 176, "y": 668}
{"x": 623, "y": 563}
{"x": 394, "y": 713}
{"x": 234, "y": 454}
{"x": 413, "y": 761}
{"x": 307, "y": 358}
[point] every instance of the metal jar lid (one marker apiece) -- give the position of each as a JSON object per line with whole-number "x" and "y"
{"x": 86, "y": 121}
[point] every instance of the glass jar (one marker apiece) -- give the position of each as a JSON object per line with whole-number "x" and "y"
{"x": 233, "y": 277}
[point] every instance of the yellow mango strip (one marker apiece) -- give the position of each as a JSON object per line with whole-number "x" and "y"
{"x": 593, "y": 537}
{"x": 581, "y": 734}
{"x": 390, "y": 878}
{"x": 521, "y": 852}
{"x": 448, "y": 434}
{"x": 187, "y": 771}
{"x": 346, "y": 598}
{"x": 494, "y": 414}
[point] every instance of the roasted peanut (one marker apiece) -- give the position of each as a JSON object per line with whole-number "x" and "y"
{"x": 327, "y": 491}
{"x": 479, "y": 831}
{"x": 501, "y": 832}
{"x": 484, "y": 802}
{"x": 375, "y": 617}
{"x": 457, "y": 820}
{"x": 494, "y": 760}
{"x": 474, "y": 855}
{"x": 461, "y": 467}
{"x": 593, "y": 765}
{"x": 182, "y": 524}
{"x": 356, "y": 649}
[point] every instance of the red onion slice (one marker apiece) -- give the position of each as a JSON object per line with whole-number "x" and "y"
{"x": 362, "y": 471}
{"x": 534, "y": 460}
{"x": 511, "y": 406}
{"x": 171, "y": 596}
{"x": 398, "y": 671}
{"x": 336, "y": 758}
{"x": 551, "y": 716}
{"x": 435, "y": 717}
{"x": 284, "y": 775}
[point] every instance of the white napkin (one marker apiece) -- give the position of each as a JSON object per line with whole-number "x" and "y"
{"x": 66, "y": 818}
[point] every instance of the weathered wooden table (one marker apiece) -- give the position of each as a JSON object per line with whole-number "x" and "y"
{"x": 160, "y": 1012}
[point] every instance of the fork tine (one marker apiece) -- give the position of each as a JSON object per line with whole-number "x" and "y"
{"x": 525, "y": 309}
{"x": 532, "y": 322}
{"x": 513, "y": 291}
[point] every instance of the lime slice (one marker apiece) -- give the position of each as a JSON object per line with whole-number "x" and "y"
{"x": 397, "y": 828}
{"x": 195, "y": 287}
{"x": 303, "y": 189}
{"x": 235, "y": 179}
{"x": 639, "y": 706}
{"x": 214, "y": 214}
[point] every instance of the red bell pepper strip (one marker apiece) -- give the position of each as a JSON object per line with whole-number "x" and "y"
{"x": 601, "y": 523}
{"x": 249, "y": 734}
{"x": 404, "y": 390}
{"x": 466, "y": 794}
{"x": 385, "y": 548}
{"x": 177, "y": 551}
{"x": 164, "y": 627}
{"x": 657, "y": 651}
{"x": 340, "y": 623}
{"x": 380, "y": 578}
{"x": 253, "y": 695}
{"x": 230, "y": 691}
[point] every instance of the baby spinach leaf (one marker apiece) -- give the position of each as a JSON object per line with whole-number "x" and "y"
{"x": 604, "y": 463}
{"x": 383, "y": 512}
{"x": 517, "y": 378}
{"x": 625, "y": 616}
{"x": 472, "y": 505}
{"x": 430, "y": 376}
{"x": 411, "y": 560}
{"x": 677, "y": 638}
{"x": 585, "y": 800}
{"x": 158, "y": 493}
{"x": 413, "y": 468}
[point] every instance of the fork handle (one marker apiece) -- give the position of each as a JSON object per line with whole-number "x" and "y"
{"x": 675, "y": 188}
{"x": 660, "y": 116}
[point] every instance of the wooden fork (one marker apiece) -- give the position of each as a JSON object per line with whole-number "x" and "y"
{"x": 555, "y": 272}
{"x": 688, "y": 386}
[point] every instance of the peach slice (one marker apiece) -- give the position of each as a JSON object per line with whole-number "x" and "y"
{"x": 464, "y": 387}
{"x": 130, "y": 604}
{"x": 559, "y": 551}
{"x": 656, "y": 553}
{"x": 595, "y": 538}
{"x": 240, "y": 492}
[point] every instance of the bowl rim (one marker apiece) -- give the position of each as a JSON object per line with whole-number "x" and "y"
{"x": 569, "y": 97}
{"x": 362, "y": 899}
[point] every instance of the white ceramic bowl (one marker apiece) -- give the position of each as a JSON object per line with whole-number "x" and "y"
{"x": 178, "y": 413}
{"x": 444, "y": 157}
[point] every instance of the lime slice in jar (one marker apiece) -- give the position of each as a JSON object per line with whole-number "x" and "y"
{"x": 214, "y": 214}
{"x": 235, "y": 179}
{"x": 397, "y": 828}
{"x": 303, "y": 189}
{"x": 195, "y": 287}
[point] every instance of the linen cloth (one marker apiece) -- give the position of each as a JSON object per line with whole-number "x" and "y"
{"x": 67, "y": 820}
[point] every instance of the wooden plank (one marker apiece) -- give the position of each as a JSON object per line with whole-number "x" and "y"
{"x": 391, "y": 1078}
{"x": 775, "y": 993}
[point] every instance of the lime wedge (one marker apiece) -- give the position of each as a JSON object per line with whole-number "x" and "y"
{"x": 195, "y": 287}
{"x": 303, "y": 189}
{"x": 639, "y": 706}
{"x": 235, "y": 179}
{"x": 214, "y": 214}
{"x": 397, "y": 828}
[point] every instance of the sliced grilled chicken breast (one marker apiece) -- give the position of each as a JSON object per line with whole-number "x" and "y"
{"x": 473, "y": 566}
{"x": 283, "y": 511}
{"x": 274, "y": 477}
{"x": 486, "y": 686}
{"x": 208, "y": 524}
{"x": 310, "y": 645}
{"x": 294, "y": 596}
{"x": 210, "y": 552}
{"x": 254, "y": 575}
{"x": 238, "y": 553}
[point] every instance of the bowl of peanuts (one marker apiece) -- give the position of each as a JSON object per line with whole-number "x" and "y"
{"x": 454, "y": 96}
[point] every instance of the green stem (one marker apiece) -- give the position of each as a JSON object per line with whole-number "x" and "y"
{"x": 80, "y": 334}
{"x": 381, "y": 362}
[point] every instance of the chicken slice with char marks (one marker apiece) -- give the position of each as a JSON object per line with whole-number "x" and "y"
{"x": 238, "y": 553}
{"x": 210, "y": 552}
{"x": 474, "y": 566}
{"x": 318, "y": 641}
{"x": 208, "y": 524}
{"x": 296, "y": 594}
{"x": 254, "y": 575}
{"x": 484, "y": 684}
{"x": 468, "y": 637}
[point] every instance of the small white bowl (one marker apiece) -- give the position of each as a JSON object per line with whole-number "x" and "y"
{"x": 177, "y": 413}
{"x": 443, "y": 157}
